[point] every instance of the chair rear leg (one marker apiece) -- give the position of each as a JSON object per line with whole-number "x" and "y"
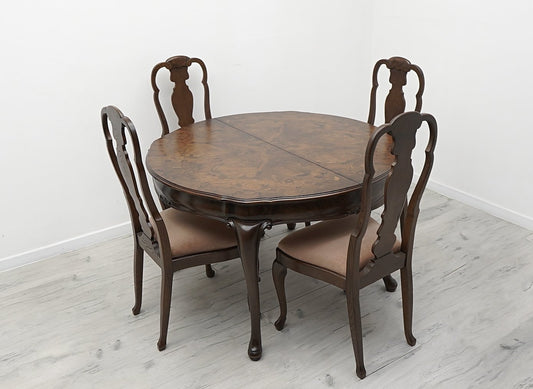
{"x": 390, "y": 283}
{"x": 278, "y": 274}
{"x": 138, "y": 262}
{"x": 407, "y": 303}
{"x": 166, "y": 297}
{"x": 209, "y": 271}
{"x": 354, "y": 315}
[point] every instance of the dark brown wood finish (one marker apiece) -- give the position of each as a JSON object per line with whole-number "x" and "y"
{"x": 255, "y": 170}
{"x": 395, "y": 104}
{"x": 387, "y": 258}
{"x": 395, "y": 101}
{"x": 150, "y": 232}
{"x": 182, "y": 98}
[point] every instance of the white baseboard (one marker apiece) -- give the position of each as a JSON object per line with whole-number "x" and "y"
{"x": 484, "y": 205}
{"x": 124, "y": 229}
{"x": 64, "y": 246}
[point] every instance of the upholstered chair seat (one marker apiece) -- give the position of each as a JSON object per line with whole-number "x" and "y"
{"x": 325, "y": 244}
{"x": 192, "y": 234}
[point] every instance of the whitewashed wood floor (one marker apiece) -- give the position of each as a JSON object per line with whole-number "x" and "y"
{"x": 66, "y": 322}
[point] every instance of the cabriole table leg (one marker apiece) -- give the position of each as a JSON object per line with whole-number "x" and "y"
{"x": 248, "y": 237}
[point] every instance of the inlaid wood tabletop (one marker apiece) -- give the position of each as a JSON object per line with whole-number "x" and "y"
{"x": 265, "y": 159}
{"x": 258, "y": 169}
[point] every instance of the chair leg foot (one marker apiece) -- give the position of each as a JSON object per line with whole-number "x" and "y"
{"x": 209, "y": 272}
{"x": 161, "y": 345}
{"x": 307, "y": 224}
{"x": 390, "y": 283}
{"x": 361, "y": 372}
{"x": 279, "y": 324}
{"x": 291, "y": 226}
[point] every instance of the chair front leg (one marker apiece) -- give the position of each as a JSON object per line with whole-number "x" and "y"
{"x": 166, "y": 297}
{"x": 278, "y": 274}
{"x": 354, "y": 315}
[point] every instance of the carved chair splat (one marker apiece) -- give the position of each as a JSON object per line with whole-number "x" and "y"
{"x": 395, "y": 101}
{"x": 182, "y": 98}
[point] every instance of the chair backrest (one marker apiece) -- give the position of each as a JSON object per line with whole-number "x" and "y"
{"x": 395, "y": 101}
{"x": 182, "y": 98}
{"x": 133, "y": 184}
{"x": 397, "y": 206}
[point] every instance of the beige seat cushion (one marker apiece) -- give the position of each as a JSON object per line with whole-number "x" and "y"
{"x": 192, "y": 234}
{"x": 325, "y": 244}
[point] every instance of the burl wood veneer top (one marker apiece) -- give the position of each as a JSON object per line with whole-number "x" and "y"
{"x": 266, "y": 156}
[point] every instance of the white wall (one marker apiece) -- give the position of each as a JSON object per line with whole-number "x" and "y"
{"x": 63, "y": 60}
{"x": 476, "y": 57}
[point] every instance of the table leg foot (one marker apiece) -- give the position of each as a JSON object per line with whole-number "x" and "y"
{"x": 255, "y": 351}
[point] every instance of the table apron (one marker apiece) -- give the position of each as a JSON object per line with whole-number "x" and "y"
{"x": 275, "y": 212}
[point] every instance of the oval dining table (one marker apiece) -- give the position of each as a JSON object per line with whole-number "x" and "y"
{"x": 255, "y": 170}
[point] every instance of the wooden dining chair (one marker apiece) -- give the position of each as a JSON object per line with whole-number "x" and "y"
{"x": 175, "y": 240}
{"x": 394, "y": 104}
{"x": 355, "y": 251}
{"x": 395, "y": 101}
